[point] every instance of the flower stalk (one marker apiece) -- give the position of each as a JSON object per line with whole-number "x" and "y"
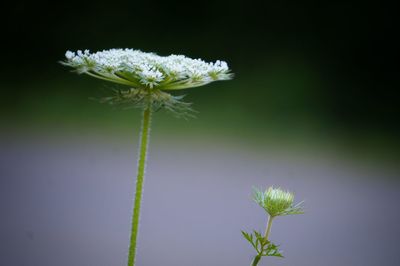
{"x": 269, "y": 225}
{"x": 257, "y": 258}
{"x": 144, "y": 143}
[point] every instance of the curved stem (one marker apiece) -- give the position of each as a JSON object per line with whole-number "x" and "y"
{"x": 144, "y": 141}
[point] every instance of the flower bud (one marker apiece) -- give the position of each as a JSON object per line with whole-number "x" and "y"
{"x": 277, "y": 202}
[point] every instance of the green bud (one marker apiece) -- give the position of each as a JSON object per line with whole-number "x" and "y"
{"x": 277, "y": 202}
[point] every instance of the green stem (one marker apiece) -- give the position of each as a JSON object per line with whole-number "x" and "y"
{"x": 268, "y": 229}
{"x": 144, "y": 141}
{"x": 257, "y": 258}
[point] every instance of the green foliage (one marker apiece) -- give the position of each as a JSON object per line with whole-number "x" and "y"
{"x": 262, "y": 245}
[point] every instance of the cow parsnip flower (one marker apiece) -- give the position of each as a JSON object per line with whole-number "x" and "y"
{"x": 150, "y": 77}
{"x": 277, "y": 202}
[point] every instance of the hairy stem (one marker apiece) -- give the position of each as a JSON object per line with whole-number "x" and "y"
{"x": 144, "y": 141}
{"x": 257, "y": 258}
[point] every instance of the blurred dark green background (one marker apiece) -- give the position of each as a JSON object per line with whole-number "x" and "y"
{"x": 309, "y": 70}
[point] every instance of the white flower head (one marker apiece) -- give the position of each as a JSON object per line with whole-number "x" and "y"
{"x": 138, "y": 69}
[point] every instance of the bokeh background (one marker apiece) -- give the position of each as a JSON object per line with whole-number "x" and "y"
{"x": 313, "y": 107}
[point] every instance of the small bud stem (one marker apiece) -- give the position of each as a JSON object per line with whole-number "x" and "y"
{"x": 144, "y": 142}
{"x": 268, "y": 229}
{"x": 257, "y": 258}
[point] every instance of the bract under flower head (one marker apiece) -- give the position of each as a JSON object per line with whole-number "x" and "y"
{"x": 277, "y": 202}
{"x": 138, "y": 69}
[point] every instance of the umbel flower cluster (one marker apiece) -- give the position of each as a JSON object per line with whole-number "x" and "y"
{"x": 148, "y": 75}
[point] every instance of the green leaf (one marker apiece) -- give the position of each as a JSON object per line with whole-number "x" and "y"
{"x": 263, "y": 246}
{"x": 272, "y": 250}
{"x": 249, "y": 237}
